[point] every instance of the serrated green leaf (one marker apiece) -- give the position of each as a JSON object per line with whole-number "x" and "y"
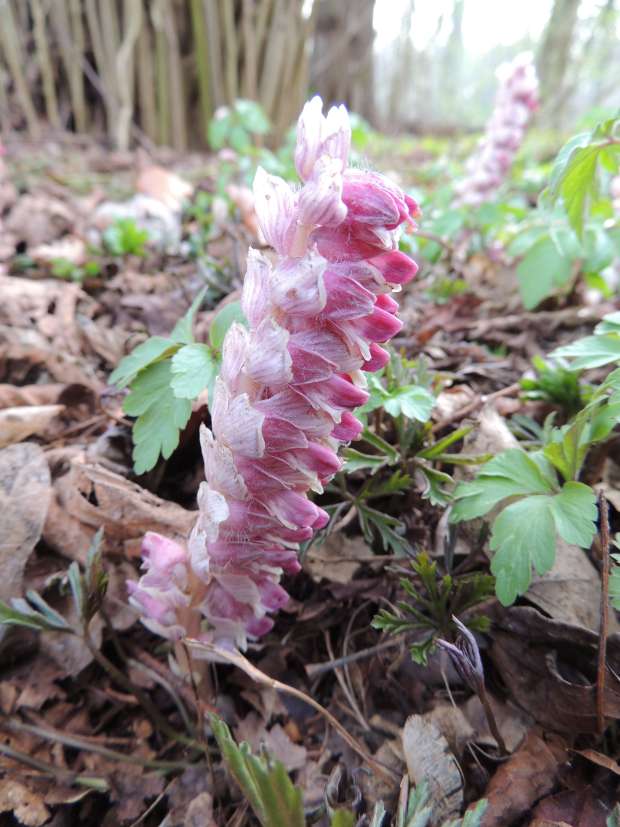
{"x": 511, "y": 473}
{"x": 149, "y": 387}
{"x": 579, "y": 184}
{"x": 193, "y": 369}
{"x": 154, "y": 349}
{"x": 182, "y": 331}
{"x": 542, "y": 271}
{"x": 609, "y": 324}
{"x": 575, "y": 513}
{"x": 356, "y": 461}
{"x": 591, "y": 351}
{"x": 223, "y": 320}
{"x": 161, "y": 415}
{"x": 219, "y": 128}
{"x": 523, "y": 536}
{"x": 413, "y": 401}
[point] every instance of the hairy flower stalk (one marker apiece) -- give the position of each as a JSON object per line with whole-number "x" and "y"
{"x": 288, "y": 385}
{"x": 517, "y": 98}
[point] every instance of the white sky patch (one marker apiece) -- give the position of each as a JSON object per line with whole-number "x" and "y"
{"x": 486, "y": 23}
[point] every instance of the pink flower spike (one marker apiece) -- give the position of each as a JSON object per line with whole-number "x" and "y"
{"x": 316, "y": 309}
{"x": 318, "y": 135}
{"x": 378, "y": 358}
{"x": 396, "y": 267}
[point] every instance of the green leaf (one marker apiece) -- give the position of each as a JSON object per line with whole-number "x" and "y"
{"x": 219, "y": 128}
{"x": 21, "y": 614}
{"x": 182, "y": 331}
{"x": 579, "y": 184}
{"x": 229, "y": 314}
{"x": 276, "y": 802}
{"x": 356, "y": 461}
{"x": 342, "y": 818}
{"x": 525, "y": 471}
{"x": 413, "y": 401}
{"x": 614, "y": 583}
{"x": 511, "y": 473}
{"x": 542, "y": 271}
{"x": 252, "y": 116}
{"x": 575, "y": 513}
{"x": 161, "y": 415}
{"x": 193, "y": 369}
{"x": 153, "y": 350}
{"x": 591, "y": 351}
{"x": 523, "y": 536}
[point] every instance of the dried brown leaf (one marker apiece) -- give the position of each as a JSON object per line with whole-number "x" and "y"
{"x": 429, "y": 758}
{"x": 528, "y": 775}
{"x": 25, "y": 494}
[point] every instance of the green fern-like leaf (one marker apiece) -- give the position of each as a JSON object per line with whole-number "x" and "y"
{"x": 264, "y": 782}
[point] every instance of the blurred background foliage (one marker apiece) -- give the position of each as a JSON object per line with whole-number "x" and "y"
{"x": 156, "y": 72}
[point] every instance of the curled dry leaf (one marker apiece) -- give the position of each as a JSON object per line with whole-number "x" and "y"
{"x": 512, "y": 722}
{"x": 25, "y": 493}
{"x": 165, "y": 186}
{"x": 27, "y": 806}
{"x": 336, "y": 559}
{"x": 17, "y": 424}
{"x": 573, "y": 808}
{"x": 429, "y": 759}
{"x": 549, "y": 669}
{"x": 528, "y": 775}
{"x": 253, "y": 730}
{"x": 87, "y": 497}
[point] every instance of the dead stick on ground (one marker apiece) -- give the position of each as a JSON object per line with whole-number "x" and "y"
{"x": 603, "y": 631}
{"x": 241, "y": 662}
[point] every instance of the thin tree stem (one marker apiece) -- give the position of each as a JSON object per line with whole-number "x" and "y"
{"x": 604, "y": 625}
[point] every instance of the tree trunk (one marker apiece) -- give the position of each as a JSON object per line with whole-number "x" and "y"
{"x": 554, "y": 57}
{"x": 342, "y": 58}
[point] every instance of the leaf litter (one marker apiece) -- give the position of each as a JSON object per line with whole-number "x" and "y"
{"x": 66, "y": 471}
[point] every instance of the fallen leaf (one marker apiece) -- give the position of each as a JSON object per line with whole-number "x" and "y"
{"x": 512, "y": 722}
{"x": 200, "y": 812}
{"x": 600, "y": 759}
{"x": 253, "y": 730}
{"x": 336, "y": 559}
{"x": 17, "y": 424}
{"x": 428, "y": 758}
{"x": 165, "y": 186}
{"x": 575, "y": 808}
{"x": 528, "y": 775}
{"x": 549, "y": 669}
{"x": 36, "y": 219}
{"x": 25, "y": 494}
{"x": 27, "y": 806}
{"x": 453, "y": 725}
{"x": 571, "y": 591}
{"x": 87, "y": 497}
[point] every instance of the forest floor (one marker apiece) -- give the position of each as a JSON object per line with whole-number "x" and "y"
{"x": 78, "y": 746}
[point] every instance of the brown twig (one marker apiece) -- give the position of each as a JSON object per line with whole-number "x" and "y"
{"x": 237, "y": 659}
{"x": 604, "y": 626}
{"x": 490, "y": 716}
{"x": 474, "y": 405}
